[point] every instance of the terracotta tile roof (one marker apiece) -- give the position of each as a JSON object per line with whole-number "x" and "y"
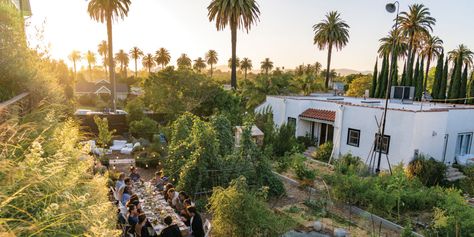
{"x": 320, "y": 114}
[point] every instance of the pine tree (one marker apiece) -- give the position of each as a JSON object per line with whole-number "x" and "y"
{"x": 455, "y": 85}
{"x": 380, "y": 81}
{"x": 414, "y": 78}
{"x": 404, "y": 76}
{"x": 419, "y": 82}
{"x": 373, "y": 87}
{"x": 444, "y": 81}
{"x": 463, "y": 87}
{"x": 438, "y": 77}
{"x": 471, "y": 89}
{"x": 394, "y": 74}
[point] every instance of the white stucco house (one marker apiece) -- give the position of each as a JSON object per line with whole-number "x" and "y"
{"x": 442, "y": 131}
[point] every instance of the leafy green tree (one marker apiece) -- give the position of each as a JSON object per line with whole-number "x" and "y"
{"x": 223, "y": 128}
{"x": 373, "y": 86}
{"x": 109, "y": 11}
{"x": 463, "y": 88}
{"x": 211, "y": 59}
{"x": 144, "y": 128}
{"x": 358, "y": 86}
{"x": 135, "y": 109}
{"x": 382, "y": 79}
{"x": 394, "y": 68}
{"x": 386, "y": 44}
{"x": 148, "y": 62}
{"x": 238, "y": 14}
{"x": 136, "y": 54}
{"x": 245, "y": 65}
{"x": 183, "y": 62}
{"x": 455, "y": 84}
{"x": 199, "y": 64}
{"x": 105, "y": 135}
{"x": 438, "y": 77}
{"x": 238, "y": 212}
{"x": 285, "y": 140}
{"x": 419, "y": 81}
{"x": 432, "y": 48}
{"x": 162, "y": 57}
{"x": 331, "y": 32}
{"x": 471, "y": 89}
{"x": 266, "y": 65}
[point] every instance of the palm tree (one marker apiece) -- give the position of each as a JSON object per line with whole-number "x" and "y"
{"x": 433, "y": 47}
{"x": 108, "y": 11}
{"x": 317, "y": 68}
{"x": 237, "y": 62}
{"x": 332, "y": 31}
{"x": 102, "y": 50}
{"x": 123, "y": 59}
{"x": 183, "y": 62}
{"x": 91, "y": 60}
{"x": 245, "y": 65}
{"x": 386, "y": 44}
{"x": 162, "y": 57}
{"x": 136, "y": 53}
{"x": 148, "y": 62}
{"x": 414, "y": 24}
{"x": 332, "y": 74}
{"x": 75, "y": 56}
{"x": 199, "y": 64}
{"x": 238, "y": 14}
{"x": 211, "y": 59}
{"x": 266, "y": 65}
{"x": 464, "y": 52}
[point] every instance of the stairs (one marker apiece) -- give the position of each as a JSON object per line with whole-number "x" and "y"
{"x": 453, "y": 174}
{"x": 309, "y": 151}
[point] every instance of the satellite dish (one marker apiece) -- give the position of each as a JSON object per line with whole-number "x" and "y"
{"x": 390, "y": 7}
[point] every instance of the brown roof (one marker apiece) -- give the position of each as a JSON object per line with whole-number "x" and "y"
{"x": 320, "y": 114}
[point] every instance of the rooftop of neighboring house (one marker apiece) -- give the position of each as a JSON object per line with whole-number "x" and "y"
{"x": 380, "y": 103}
{"x": 92, "y": 87}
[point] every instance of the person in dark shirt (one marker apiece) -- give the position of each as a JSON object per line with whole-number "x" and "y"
{"x": 172, "y": 230}
{"x": 197, "y": 229}
{"x": 132, "y": 218}
{"x": 134, "y": 175}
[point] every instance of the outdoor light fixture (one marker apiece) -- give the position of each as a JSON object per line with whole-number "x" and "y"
{"x": 390, "y": 7}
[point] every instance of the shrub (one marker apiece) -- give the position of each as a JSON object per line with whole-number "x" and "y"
{"x": 467, "y": 184}
{"x": 323, "y": 153}
{"x": 87, "y": 100}
{"x": 283, "y": 163}
{"x": 135, "y": 109}
{"x": 301, "y": 169}
{"x": 349, "y": 164}
{"x": 429, "y": 171}
{"x": 105, "y": 135}
{"x": 306, "y": 141}
{"x": 285, "y": 140}
{"x": 144, "y": 128}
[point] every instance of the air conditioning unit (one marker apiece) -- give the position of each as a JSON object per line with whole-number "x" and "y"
{"x": 403, "y": 94}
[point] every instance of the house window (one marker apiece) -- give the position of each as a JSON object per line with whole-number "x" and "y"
{"x": 385, "y": 143}
{"x": 292, "y": 121}
{"x": 463, "y": 144}
{"x": 353, "y": 137}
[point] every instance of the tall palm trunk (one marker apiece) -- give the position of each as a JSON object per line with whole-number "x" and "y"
{"x": 426, "y": 74}
{"x": 245, "y": 73}
{"x": 410, "y": 57}
{"x": 111, "y": 61}
{"x": 75, "y": 78}
{"x": 212, "y": 70}
{"x": 233, "y": 75}
{"x": 90, "y": 72}
{"x": 162, "y": 66}
{"x": 135, "y": 68}
{"x": 326, "y": 83}
{"x": 105, "y": 65}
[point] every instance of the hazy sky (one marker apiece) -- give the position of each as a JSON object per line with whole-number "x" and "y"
{"x": 284, "y": 33}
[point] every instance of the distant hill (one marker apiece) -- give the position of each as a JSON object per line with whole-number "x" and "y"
{"x": 342, "y": 71}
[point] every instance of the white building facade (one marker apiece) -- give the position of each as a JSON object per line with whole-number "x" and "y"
{"x": 441, "y": 131}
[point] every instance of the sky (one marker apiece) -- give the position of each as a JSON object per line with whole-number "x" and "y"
{"x": 284, "y": 33}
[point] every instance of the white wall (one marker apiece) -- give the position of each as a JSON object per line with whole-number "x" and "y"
{"x": 459, "y": 121}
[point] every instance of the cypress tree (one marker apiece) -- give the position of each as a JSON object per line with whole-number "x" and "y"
{"x": 419, "y": 81}
{"x": 380, "y": 82}
{"x": 373, "y": 87}
{"x": 394, "y": 74}
{"x": 444, "y": 81}
{"x": 415, "y": 74}
{"x": 463, "y": 87}
{"x": 384, "y": 81}
{"x": 455, "y": 85}
{"x": 471, "y": 89}
{"x": 404, "y": 76}
{"x": 451, "y": 79}
{"x": 438, "y": 77}
{"x": 409, "y": 74}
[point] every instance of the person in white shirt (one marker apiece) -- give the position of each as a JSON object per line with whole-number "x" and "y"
{"x": 173, "y": 197}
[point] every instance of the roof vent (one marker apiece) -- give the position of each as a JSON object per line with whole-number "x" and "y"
{"x": 335, "y": 98}
{"x": 370, "y": 102}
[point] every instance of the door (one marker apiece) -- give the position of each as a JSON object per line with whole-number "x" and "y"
{"x": 323, "y": 133}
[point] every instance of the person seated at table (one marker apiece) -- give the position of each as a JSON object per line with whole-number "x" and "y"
{"x": 185, "y": 216}
{"x": 167, "y": 188}
{"x": 135, "y": 201}
{"x": 127, "y": 193}
{"x": 173, "y": 197}
{"x": 134, "y": 175}
{"x": 171, "y": 230}
{"x": 141, "y": 229}
{"x": 181, "y": 197}
{"x": 132, "y": 218}
{"x": 120, "y": 182}
{"x": 129, "y": 184}
{"x": 197, "y": 230}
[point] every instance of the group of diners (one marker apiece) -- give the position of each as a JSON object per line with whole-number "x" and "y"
{"x": 134, "y": 219}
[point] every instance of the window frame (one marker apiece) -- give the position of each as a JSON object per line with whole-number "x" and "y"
{"x": 469, "y": 145}
{"x": 293, "y": 121}
{"x": 349, "y": 131}
{"x": 387, "y": 137}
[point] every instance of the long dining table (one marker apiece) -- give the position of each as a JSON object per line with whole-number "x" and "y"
{"x": 156, "y": 208}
